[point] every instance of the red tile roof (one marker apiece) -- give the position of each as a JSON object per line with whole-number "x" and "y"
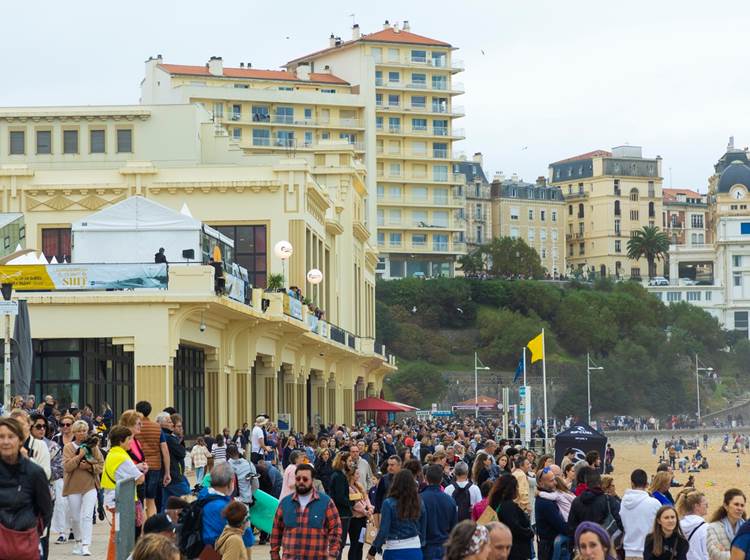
{"x": 587, "y": 155}
{"x": 253, "y": 73}
{"x": 389, "y": 35}
{"x": 671, "y": 194}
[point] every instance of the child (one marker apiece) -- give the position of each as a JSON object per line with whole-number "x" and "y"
{"x": 738, "y": 461}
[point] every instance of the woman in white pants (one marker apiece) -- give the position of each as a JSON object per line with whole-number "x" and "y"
{"x": 82, "y": 464}
{"x": 60, "y": 520}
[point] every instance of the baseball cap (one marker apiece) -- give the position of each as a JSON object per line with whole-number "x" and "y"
{"x": 409, "y": 442}
{"x": 159, "y": 523}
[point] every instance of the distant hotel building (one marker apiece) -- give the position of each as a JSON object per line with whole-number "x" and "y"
{"x": 478, "y": 211}
{"x": 685, "y": 217}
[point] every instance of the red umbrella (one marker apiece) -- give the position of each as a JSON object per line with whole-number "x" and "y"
{"x": 378, "y": 405}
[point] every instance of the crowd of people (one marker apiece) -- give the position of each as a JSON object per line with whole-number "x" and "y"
{"x": 450, "y": 489}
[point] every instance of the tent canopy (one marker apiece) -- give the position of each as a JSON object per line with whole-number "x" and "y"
{"x": 378, "y": 405}
{"x": 406, "y": 407}
{"x": 481, "y": 401}
{"x": 582, "y": 438}
{"x": 137, "y": 214}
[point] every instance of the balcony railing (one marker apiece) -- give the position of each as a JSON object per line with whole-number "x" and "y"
{"x": 291, "y": 120}
{"x": 446, "y": 86}
{"x": 429, "y": 62}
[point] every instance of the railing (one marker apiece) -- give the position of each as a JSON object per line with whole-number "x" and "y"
{"x": 429, "y": 62}
{"x": 337, "y": 334}
{"x": 441, "y": 109}
{"x": 446, "y": 86}
{"x": 291, "y": 120}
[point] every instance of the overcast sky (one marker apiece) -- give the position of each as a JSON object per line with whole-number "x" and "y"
{"x": 557, "y": 77}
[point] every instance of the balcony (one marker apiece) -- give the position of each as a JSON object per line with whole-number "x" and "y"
{"x": 445, "y": 87}
{"x": 455, "y": 111}
{"x": 451, "y": 201}
{"x": 290, "y": 120}
{"x": 425, "y": 62}
{"x": 576, "y": 195}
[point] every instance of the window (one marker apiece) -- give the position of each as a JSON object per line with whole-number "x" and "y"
{"x": 740, "y": 321}
{"x": 570, "y": 210}
{"x": 418, "y": 101}
{"x": 439, "y": 172}
{"x": 708, "y": 296}
{"x": 618, "y": 246}
{"x": 736, "y": 260}
{"x": 696, "y": 220}
{"x": 218, "y": 111}
{"x": 327, "y": 90}
{"x": 633, "y": 195}
{"x": 532, "y": 234}
{"x": 70, "y": 141}
{"x": 554, "y": 235}
{"x": 514, "y": 213}
{"x": 394, "y": 216}
{"x": 377, "y": 54}
{"x": 418, "y": 194}
{"x": 440, "y": 196}
{"x": 43, "y": 142}
{"x": 261, "y": 137}
{"x": 419, "y": 239}
{"x": 440, "y": 127}
{"x": 237, "y": 133}
{"x": 581, "y": 248}
{"x": 542, "y": 214}
{"x": 394, "y": 77}
{"x": 56, "y": 243}
{"x": 394, "y": 124}
{"x": 737, "y": 279}
{"x": 531, "y": 214}
{"x": 439, "y": 242}
{"x": 440, "y": 218}
{"x": 420, "y": 57}
{"x": 236, "y": 112}
{"x": 439, "y": 59}
{"x": 693, "y": 296}
{"x": 394, "y": 170}
{"x": 514, "y": 232}
{"x": 308, "y": 138}
{"x": 17, "y": 142}
{"x": 284, "y": 115}
{"x": 250, "y": 250}
{"x": 378, "y": 78}
{"x": 286, "y": 88}
{"x": 419, "y": 217}
{"x": 580, "y": 229}
{"x": 651, "y": 190}
{"x": 544, "y": 253}
{"x": 394, "y": 239}
{"x": 439, "y": 104}
{"x": 381, "y": 217}
{"x": 285, "y": 138}
{"x": 419, "y": 124}
{"x": 617, "y": 187}
{"x": 439, "y": 150}
{"x": 673, "y": 296}
{"x": 617, "y": 227}
{"x": 634, "y": 215}
{"x": 477, "y": 212}
{"x": 651, "y": 211}
{"x": 440, "y": 82}
{"x": 580, "y": 210}
{"x": 260, "y": 113}
{"x": 308, "y": 114}
{"x": 418, "y": 80}
{"x": 97, "y": 144}
{"x": 394, "y": 192}
{"x": 617, "y": 207}
{"x": 124, "y": 141}
{"x": 381, "y": 238}
{"x": 543, "y": 234}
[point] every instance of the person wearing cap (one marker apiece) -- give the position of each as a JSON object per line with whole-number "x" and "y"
{"x": 258, "y": 446}
{"x": 160, "y": 524}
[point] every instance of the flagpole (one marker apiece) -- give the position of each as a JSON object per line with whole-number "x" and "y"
{"x": 527, "y": 401}
{"x": 523, "y": 350}
{"x": 544, "y": 382}
{"x": 476, "y": 389}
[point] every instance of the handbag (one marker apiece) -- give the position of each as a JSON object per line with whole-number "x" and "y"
{"x": 371, "y": 531}
{"x": 488, "y": 516}
{"x": 19, "y": 545}
{"x": 610, "y": 524}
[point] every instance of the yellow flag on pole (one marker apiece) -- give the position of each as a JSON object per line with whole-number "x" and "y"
{"x": 535, "y": 346}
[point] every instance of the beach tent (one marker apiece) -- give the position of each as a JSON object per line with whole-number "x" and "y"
{"x": 582, "y": 438}
{"x": 373, "y": 404}
{"x": 133, "y": 230}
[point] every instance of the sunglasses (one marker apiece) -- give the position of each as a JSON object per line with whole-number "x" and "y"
{"x": 66, "y": 424}
{"x": 545, "y": 470}
{"x": 39, "y": 427}
{"x": 302, "y": 479}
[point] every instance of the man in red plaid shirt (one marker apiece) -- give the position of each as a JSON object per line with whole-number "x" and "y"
{"x": 307, "y": 524}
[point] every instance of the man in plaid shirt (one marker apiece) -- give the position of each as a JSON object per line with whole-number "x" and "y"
{"x": 307, "y": 524}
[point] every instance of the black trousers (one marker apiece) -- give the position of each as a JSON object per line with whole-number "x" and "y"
{"x": 344, "y": 533}
{"x": 355, "y": 530}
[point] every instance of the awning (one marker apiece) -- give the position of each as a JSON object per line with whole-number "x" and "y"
{"x": 406, "y": 407}
{"x": 481, "y": 402}
{"x": 379, "y": 405}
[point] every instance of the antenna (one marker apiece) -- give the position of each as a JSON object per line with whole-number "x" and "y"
{"x": 352, "y": 16}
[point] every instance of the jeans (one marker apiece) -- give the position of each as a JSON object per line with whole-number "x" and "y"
{"x": 60, "y": 522}
{"x": 560, "y": 550}
{"x": 344, "y": 533}
{"x": 433, "y": 553}
{"x": 82, "y": 508}
{"x": 199, "y": 474}
{"x": 179, "y": 489}
{"x": 355, "y": 530}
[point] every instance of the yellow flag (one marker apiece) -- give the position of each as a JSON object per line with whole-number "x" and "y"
{"x": 535, "y": 347}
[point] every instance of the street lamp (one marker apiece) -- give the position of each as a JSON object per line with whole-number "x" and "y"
{"x": 698, "y": 385}
{"x": 477, "y": 367}
{"x": 589, "y": 369}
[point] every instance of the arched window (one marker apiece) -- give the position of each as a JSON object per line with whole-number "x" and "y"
{"x": 580, "y": 210}
{"x": 634, "y": 195}
{"x": 617, "y": 207}
{"x": 651, "y": 210}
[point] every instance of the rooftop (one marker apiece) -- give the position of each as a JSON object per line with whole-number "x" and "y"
{"x": 387, "y": 35}
{"x": 587, "y": 155}
{"x": 252, "y": 74}
{"x": 670, "y": 194}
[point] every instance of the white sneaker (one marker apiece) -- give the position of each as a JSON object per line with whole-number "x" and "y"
{"x": 85, "y": 550}
{"x": 78, "y": 549}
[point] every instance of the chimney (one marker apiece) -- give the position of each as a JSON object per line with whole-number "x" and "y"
{"x": 249, "y": 64}
{"x": 303, "y": 71}
{"x": 395, "y": 27}
{"x": 514, "y": 177}
{"x": 332, "y": 41}
{"x": 499, "y": 177}
{"x": 406, "y": 25}
{"x": 541, "y": 181}
{"x": 216, "y": 66}
{"x": 242, "y": 64}
{"x": 326, "y": 70}
{"x": 386, "y": 25}
{"x": 355, "y": 31}
{"x": 478, "y": 158}
{"x": 337, "y": 42}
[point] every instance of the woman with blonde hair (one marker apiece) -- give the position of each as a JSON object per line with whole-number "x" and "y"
{"x": 481, "y": 469}
{"x": 362, "y": 510}
{"x": 724, "y": 524}
{"x": 60, "y": 518}
{"x": 156, "y": 547}
{"x": 82, "y": 465}
{"x": 693, "y": 507}
{"x": 659, "y": 488}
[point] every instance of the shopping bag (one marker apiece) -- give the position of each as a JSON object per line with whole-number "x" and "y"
{"x": 263, "y": 511}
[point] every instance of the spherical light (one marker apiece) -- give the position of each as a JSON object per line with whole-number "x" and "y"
{"x": 314, "y": 276}
{"x": 283, "y": 250}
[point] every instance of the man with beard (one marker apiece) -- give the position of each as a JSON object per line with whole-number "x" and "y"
{"x": 306, "y": 524}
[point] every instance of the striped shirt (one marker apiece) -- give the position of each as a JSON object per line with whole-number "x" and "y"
{"x": 220, "y": 454}
{"x": 150, "y": 438}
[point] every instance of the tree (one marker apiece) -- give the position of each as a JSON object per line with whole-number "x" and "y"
{"x": 512, "y": 257}
{"x": 650, "y": 243}
{"x": 418, "y": 384}
{"x": 472, "y": 263}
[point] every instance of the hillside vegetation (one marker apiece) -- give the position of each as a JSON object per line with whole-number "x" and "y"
{"x": 647, "y": 349}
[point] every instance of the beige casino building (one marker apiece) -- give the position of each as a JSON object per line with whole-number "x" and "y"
{"x": 608, "y": 196}
{"x": 218, "y": 360}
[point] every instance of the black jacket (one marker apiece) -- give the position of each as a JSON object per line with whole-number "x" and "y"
{"x": 24, "y": 495}
{"x": 593, "y": 505}
{"x": 517, "y": 521}
{"x": 674, "y": 548}
{"x": 340, "y": 494}
{"x": 177, "y": 454}
{"x": 324, "y": 472}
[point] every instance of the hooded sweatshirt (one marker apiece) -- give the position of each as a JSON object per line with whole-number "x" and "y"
{"x": 637, "y": 511}
{"x": 695, "y": 527}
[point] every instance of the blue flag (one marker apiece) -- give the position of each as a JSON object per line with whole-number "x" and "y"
{"x": 519, "y": 370}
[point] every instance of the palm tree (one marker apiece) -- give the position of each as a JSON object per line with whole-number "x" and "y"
{"x": 650, "y": 243}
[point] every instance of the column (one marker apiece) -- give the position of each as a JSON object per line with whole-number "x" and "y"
{"x": 265, "y": 387}
{"x": 155, "y": 384}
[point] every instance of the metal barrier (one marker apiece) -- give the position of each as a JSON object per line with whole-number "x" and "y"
{"x": 124, "y": 518}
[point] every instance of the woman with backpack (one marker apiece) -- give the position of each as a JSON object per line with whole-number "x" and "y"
{"x": 693, "y": 507}
{"x": 502, "y": 500}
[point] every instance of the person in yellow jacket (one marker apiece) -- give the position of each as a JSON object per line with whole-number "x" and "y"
{"x": 118, "y": 466}
{"x": 230, "y": 544}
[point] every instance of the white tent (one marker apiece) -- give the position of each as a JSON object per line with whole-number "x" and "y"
{"x": 133, "y": 231}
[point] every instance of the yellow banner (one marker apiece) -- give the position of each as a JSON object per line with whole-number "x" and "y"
{"x": 27, "y": 277}
{"x": 535, "y": 347}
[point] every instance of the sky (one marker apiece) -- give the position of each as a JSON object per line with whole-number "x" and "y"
{"x": 544, "y": 80}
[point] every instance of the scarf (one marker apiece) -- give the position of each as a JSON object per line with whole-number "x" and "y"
{"x": 731, "y": 533}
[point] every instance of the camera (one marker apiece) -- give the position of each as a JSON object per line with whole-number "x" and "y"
{"x": 202, "y": 327}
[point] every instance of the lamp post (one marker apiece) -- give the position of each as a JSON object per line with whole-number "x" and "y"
{"x": 477, "y": 367}
{"x": 698, "y": 369}
{"x": 283, "y": 249}
{"x": 589, "y": 369}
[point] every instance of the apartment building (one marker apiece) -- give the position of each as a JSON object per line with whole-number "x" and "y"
{"x": 609, "y": 196}
{"x": 478, "y": 211}
{"x": 221, "y": 359}
{"x": 684, "y": 217}
{"x": 421, "y": 200}
{"x": 277, "y": 112}
{"x": 535, "y": 213}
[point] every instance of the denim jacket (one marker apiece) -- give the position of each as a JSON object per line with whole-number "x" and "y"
{"x": 394, "y": 528}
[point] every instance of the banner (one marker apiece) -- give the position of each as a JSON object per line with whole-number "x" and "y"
{"x": 292, "y": 307}
{"x": 524, "y": 411}
{"x": 43, "y": 278}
